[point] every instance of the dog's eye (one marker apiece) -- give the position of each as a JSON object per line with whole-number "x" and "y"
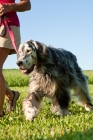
{"x": 28, "y": 51}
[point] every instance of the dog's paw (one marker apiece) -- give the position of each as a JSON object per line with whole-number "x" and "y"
{"x": 30, "y": 113}
{"x": 62, "y": 112}
{"x": 58, "y": 111}
{"x": 54, "y": 109}
{"x": 29, "y": 110}
{"x": 88, "y": 107}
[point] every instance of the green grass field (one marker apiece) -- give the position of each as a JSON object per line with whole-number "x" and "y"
{"x": 46, "y": 126}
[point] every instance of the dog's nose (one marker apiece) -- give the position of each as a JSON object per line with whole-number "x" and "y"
{"x": 19, "y": 63}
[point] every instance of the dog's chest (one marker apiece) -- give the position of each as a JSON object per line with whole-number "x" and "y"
{"x": 42, "y": 83}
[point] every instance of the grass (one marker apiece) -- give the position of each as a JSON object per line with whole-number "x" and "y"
{"x": 46, "y": 126}
{"x": 20, "y": 80}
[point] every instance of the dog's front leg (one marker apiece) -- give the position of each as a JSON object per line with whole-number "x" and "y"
{"x": 31, "y": 104}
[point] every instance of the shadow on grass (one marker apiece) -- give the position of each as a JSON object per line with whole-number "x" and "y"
{"x": 86, "y": 135}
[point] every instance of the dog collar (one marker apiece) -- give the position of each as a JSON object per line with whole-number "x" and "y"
{"x": 38, "y": 64}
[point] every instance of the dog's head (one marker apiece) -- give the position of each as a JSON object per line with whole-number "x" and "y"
{"x": 27, "y": 56}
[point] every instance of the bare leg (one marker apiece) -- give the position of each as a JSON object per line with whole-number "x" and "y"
{"x": 9, "y": 93}
{"x": 3, "y": 88}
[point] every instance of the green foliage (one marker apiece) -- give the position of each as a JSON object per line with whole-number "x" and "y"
{"x": 14, "y": 77}
{"x": 89, "y": 73}
{"x": 46, "y": 126}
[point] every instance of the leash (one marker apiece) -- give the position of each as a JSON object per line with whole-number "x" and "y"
{"x": 4, "y": 22}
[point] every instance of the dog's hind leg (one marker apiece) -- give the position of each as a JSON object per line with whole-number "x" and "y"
{"x": 31, "y": 104}
{"x": 82, "y": 93}
{"x": 63, "y": 99}
{"x": 55, "y": 106}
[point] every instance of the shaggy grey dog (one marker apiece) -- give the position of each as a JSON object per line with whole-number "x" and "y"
{"x": 53, "y": 73}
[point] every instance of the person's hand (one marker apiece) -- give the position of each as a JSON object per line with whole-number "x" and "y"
{"x": 4, "y": 8}
{"x": 21, "y": 6}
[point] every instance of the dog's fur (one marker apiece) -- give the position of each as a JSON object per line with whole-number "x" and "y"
{"x": 53, "y": 73}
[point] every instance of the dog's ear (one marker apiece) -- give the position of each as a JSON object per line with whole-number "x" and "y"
{"x": 31, "y": 44}
{"x": 42, "y": 51}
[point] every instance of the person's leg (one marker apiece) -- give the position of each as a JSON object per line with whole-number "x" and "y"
{"x": 3, "y": 55}
{"x": 12, "y": 96}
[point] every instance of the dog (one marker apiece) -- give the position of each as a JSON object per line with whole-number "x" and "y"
{"x": 54, "y": 72}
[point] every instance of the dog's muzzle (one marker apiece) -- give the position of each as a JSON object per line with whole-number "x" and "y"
{"x": 23, "y": 69}
{"x": 19, "y": 63}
